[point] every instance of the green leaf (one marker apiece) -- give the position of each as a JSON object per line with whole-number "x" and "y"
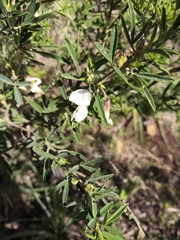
{"x": 159, "y": 51}
{"x": 100, "y": 110}
{"x": 41, "y": 18}
{"x": 111, "y": 236}
{"x": 31, "y": 9}
{"x": 115, "y": 232}
{"x": 59, "y": 186}
{"x": 51, "y": 55}
{"x": 103, "y": 51}
{"x": 163, "y": 19}
{"x": 132, "y": 15}
{"x": 73, "y": 55}
{"x": 79, "y": 155}
{"x": 34, "y": 105}
{"x": 113, "y": 42}
{"x": 93, "y": 161}
{"x": 153, "y": 77}
{"x": 89, "y": 169}
{"x": 6, "y": 80}
{"x": 106, "y": 208}
{"x": 149, "y": 98}
{"x": 65, "y": 192}
{"x": 74, "y": 169}
{"x": 91, "y": 224}
{"x": 86, "y": 234}
{"x": 126, "y": 30}
{"x": 50, "y": 109}
{"x": 43, "y": 154}
{"x": 70, "y": 76}
{"x": 17, "y": 96}
{"x": 2, "y": 8}
{"x": 122, "y": 76}
{"x": 44, "y": 169}
{"x": 115, "y": 215}
{"x": 94, "y": 207}
{"x": 95, "y": 179}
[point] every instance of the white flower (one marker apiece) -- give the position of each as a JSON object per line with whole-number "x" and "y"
{"x": 107, "y": 105}
{"x": 82, "y": 98}
{"x": 34, "y": 84}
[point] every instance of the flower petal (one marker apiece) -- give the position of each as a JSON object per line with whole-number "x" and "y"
{"x": 79, "y": 114}
{"x": 81, "y": 97}
{"x": 36, "y": 89}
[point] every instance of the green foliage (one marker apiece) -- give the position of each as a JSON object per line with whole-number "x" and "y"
{"x": 123, "y": 51}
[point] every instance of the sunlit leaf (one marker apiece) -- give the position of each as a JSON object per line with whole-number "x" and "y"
{"x": 106, "y": 208}
{"x": 89, "y": 236}
{"x": 31, "y": 9}
{"x": 153, "y": 77}
{"x": 100, "y": 110}
{"x": 103, "y": 51}
{"x": 44, "y": 154}
{"x": 111, "y": 236}
{"x": 18, "y": 96}
{"x": 65, "y": 192}
{"x": 70, "y": 76}
{"x": 149, "y": 97}
{"x": 73, "y": 55}
{"x": 116, "y": 214}
{"x": 93, "y": 161}
{"x": 115, "y": 232}
{"x": 113, "y": 41}
{"x": 123, "y": 77}
{"x": 6, "y": 80}
{"x": 34, "y": 105}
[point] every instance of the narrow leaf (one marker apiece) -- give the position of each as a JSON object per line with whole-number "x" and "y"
{"x": 106, "y": 208}
{"x": 31, "y": 9}
{"x": 126, "y": 30}
{"x": 93, "y": 161}
{"x": 89, "y": 169}
{"x": 91, "y": 224}
{"x": 59, "y": 186}
{"x": 132, "y": 15}
{"x": 100, "y": 110}
{"x": 111, "y": 236}
{"x": 50, "y": 109}
{"x": 103, "y": 51}
{"x": 86, "y": 234}
{"x": 70, "y": 76}
{"x": 41, "y": 18}
{"x": 17, "y": 96}
{"x": 122, "y": 76}
{"x": 6, "y": 80}
{"x": 113, "y": 41}
{"x": 153, "y": 77}
{"x": 79, "y": 155}
{"x": 115, "y": 232}
{"x": 2, "y": 8}
{"x": 51, "y": 55}
{"x": 73, "y": 55}
{"x": 159, "y": 51}
{"x": 43, "y": 154}
{"x": 34, "y": 105}
{"x": 74, "y": 169}
{"x": 95, "y": 179}
{"x": 65, "y": 192}
{"x": 149, "y": 98}
{"x": 115, "y": 215}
